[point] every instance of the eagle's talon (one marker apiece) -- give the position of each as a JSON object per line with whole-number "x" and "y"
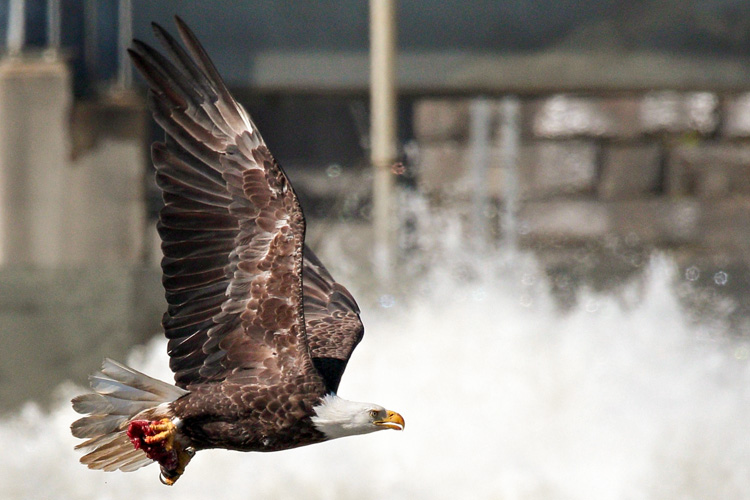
{"x": 168, "y": 478}
{"x": 151, "y": 433}
{"x": 170, "y": 475}
{"x": 157, "y": 440}
{"x": 165, "y": 433}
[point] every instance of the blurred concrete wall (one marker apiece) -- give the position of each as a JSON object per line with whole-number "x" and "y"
{"x": 656, "y": 168}
{"x": 71, "y": 176}
{"x": 35, "y": 100}
{"x": 58, "y": 323}
{"x": 74, "y": 281}
{"x": 105, "y": 203}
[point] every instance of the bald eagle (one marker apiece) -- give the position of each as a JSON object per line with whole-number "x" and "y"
{"x": 259, "y": 332}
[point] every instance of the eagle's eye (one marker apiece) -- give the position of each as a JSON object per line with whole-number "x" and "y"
{"x": 374, "y": 413}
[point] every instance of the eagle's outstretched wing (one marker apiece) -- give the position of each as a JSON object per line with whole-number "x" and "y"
{"x": 332, "y": 320}
{"x": 232, "y": 229}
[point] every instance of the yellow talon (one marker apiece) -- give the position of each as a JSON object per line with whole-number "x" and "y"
{"x": 166, "y": 433}
{"x": 163, "y": 425}
{"x": 169, "y": 477}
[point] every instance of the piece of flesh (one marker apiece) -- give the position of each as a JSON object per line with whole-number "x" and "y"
{"x": 157, "y": 440}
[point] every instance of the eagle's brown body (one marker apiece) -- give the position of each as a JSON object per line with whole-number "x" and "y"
{"x": 250, "y": 417}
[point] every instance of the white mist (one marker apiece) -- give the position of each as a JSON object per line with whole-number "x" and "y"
{"x": 503, "y": 397}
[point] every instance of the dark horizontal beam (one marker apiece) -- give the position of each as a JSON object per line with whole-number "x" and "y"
{"x": 431, "y": 73}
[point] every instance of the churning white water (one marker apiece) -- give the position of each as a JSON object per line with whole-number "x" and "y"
{"x": 504, "y": 398}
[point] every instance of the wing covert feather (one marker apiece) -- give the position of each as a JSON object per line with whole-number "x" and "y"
{"x": 332, "y": 321}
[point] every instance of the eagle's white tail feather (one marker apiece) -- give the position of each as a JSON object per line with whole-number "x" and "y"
{"x": 121, "y": 394}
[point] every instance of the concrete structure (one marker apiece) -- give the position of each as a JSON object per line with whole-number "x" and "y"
{"x": 105, "y": 191}
{"x": 35, "y": 101}
{"x": 660, "y": 168}
{"x": 56, "y": 324}
{"x": 72, "y": 228}
{"x": 71, "y": 176}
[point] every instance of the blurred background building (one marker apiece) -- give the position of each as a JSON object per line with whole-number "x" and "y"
{"x": 574, "y": 128}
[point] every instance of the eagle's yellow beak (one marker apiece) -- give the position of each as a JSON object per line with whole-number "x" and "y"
{"x": 392, "y": 421}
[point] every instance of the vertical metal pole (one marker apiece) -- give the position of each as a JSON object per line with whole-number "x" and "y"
{"x": 16, "y": 34}
{"x": 480, "y": 135}
{"x": 510, "y": 135}
{"x": 383, "y": 129}
{"x": 53, "y": 28}
{"x": 124, "y": 37}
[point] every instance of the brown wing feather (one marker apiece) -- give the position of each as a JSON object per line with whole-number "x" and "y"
{"x": 232, "y": 228}
{"x": 331, "y": 320}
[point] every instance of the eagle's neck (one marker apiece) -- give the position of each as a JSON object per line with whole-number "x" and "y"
{"x": 337, "y": 417}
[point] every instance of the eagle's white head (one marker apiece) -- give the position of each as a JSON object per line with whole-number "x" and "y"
{"x": 336, "y": 417}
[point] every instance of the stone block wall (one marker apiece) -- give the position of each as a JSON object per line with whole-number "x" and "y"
{"x": 662, "y": 168}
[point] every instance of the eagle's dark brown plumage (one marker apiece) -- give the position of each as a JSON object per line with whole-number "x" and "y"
{"x": 259, "y": 332}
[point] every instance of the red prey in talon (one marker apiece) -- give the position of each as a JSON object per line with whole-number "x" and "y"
{"x": 156, "y": 438}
